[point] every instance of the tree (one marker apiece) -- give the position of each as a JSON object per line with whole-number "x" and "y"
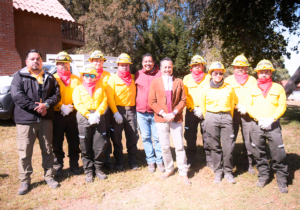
{"x": 76, "y": 8}
{"x": 249, "y": 27}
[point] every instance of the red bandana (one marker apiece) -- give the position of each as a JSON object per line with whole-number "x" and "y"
{"x": 125, "y": 76}
{"x": 99, "y": 71}
{"x": 65, "y": 76}
{"x": 241, "y": 78}
{"x": 265, "y": 85}
{"x": 90, "y": 87}
{"x": 197, "y": 75}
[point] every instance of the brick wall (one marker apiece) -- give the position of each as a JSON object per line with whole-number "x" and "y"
{"x": 10, "y": 60}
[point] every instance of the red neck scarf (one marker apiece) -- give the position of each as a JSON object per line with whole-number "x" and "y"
{"x": 65, "y": 76}
{"x": 99, "y": 71}
{"x": 125, "y": 76}
{"x": 265, "y": 85}
{"x": 197, "y": 75}
{"x": 241, "y": 78}
{"x": 90, "y": 87}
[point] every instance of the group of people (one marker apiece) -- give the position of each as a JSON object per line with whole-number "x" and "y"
{"x": 92, "y": 110}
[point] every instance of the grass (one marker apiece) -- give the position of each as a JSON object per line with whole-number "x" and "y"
{"x": 143, "y": 190}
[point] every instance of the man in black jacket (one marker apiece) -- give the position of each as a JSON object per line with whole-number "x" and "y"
{"x": 34, "y": 92}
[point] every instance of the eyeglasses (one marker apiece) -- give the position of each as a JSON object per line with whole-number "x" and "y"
{"x": 217, "y": 73}
{"x": 92, "y": 76}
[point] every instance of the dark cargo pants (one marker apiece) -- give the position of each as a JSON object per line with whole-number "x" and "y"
{"x": 93, "y": 143}
{"x": 65, "y": 125}
{"x": 190, "y": 135}
{"x": 108, "y": 118}
{"x": 245, "y": 122}
{"x": 219, "y": 128}
{"x": 129, "y": 125}
{"x": 274, "y": 136}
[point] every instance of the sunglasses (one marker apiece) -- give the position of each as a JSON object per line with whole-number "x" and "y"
{"x": 217, "y": 73}
{"x": 92, "y": 76}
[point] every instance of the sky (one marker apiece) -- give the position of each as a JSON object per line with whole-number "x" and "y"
{"x": 293, "y": 63}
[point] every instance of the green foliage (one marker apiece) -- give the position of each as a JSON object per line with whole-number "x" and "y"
{"x": 76, "y": 8}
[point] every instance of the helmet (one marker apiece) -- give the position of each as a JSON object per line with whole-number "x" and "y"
{"x": 264, "y": 65}
{"x": 89, "y": 69}
{"x": 96, "y": 54}
{"x": 124, "y": 58}
{"x": 216, "y": 65}
{"x": 197, "y": 59}
{"x": 63, "y": 57}
{"x": 240, "y": 60}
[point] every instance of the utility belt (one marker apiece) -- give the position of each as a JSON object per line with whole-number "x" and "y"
{"x": 92, "y": 111}
{"x": 127, "y": 107}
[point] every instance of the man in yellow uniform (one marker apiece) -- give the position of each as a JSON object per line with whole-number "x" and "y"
{"x": 121, "y": 94}
{"x": 240, "y": 82}
{"x": 266, "y": 103}
{"x": 193, "y": 85}
{"x": 97, "y": 58}
{"x": 65, "y": 117}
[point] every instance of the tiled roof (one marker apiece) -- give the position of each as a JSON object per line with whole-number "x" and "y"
{"x": 52, "y": 8}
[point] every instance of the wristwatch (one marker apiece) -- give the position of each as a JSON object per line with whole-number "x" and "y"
{"x": 47, "y": 105}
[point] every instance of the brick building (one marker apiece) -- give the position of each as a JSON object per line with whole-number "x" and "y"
{"x": 44, "y": 25}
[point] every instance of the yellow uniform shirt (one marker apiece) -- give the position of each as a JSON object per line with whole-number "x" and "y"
{"x": 83, "y": 102}
{"x": 273, "y": 105}
{"x": 240, "y": 90}
{"x": 66, "y": 92}
{"x": 38, "y": 77}
{"x": 217, "y": 99}
{"x": 193, "y": 90}
{"x": 104, "y": 79}
{"x": 119, "y": 94}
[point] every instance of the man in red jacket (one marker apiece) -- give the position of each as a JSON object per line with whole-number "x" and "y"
{"x": 145, "y": 115}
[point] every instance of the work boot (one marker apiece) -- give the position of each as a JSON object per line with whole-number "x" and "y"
{"x": 52, "y": 183}
{"x": 24, "y": 188}
{"x": 248, "y": 164}
{"x": 101, "y": 175}
{"x": 89, "y": 177}
{"x": 166, "y": 174}
{"x": 282, "y": 187}
{"x": 218, "y": 178}
{"x": 58, "y": 172}
{"x": 119, "y": 167}
{"x": 230, "y": 178}
{"x": 75, "y": 170}
{"x": 261, "y": 184}
{"x": 132, "y": 163}
{"x": 151, "y": 167}
{"x": 160, "y": 167}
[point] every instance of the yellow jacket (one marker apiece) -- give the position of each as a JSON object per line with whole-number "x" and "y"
{"x": 104, "y": 79}
{"x": 193, "y": 90}
{"x": 274, "y": 105}
{"x": 240, "y": 90}
{"x": 217, "y": 99}
{"x": 119, "y": 94}
{"x": 83, "y": 102}
{"x": 66, "y": 91}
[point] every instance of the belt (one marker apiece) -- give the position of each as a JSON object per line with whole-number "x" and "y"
{"x": 92, "y": 111}
{"x": 128, "y": 107}
{"x": 220, "y": 113}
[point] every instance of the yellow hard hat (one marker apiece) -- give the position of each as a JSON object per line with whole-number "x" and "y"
{"x": 124, "y": 58}
{"x": 96, "y": 54}
{"x": 264, "y": 65}
{"x": 63, "y": 57}
{"x": 197, "y": 59}
{"x": 240, "y": 60}
{"x": 216, "y": 65}
{"x": 89, "y": 69}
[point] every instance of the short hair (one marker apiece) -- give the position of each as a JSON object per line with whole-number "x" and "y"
{"x": 165, "y": 59}
{"x": 33, "y": 51}
{"x": 147, "y": 55}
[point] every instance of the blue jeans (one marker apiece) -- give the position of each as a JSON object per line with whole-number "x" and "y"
{"x": 147, "y": 127}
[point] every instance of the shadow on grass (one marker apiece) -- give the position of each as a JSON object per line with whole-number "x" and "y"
{"x": 291, "y": 114}
{"x": 4, "y": 176}
{"x": 293, "y": 162}
{"x": 7, "y": 123}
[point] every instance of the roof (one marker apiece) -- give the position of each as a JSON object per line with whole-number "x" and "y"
{"x": 284, "y": 82}
{"x": 51, "y": 8}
